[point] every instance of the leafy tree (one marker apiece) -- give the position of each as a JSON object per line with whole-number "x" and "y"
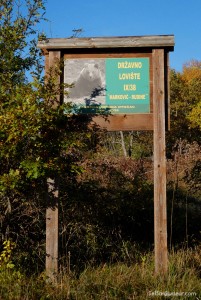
{"x": 183, "y": 145}
{"x": 192, "y": 77}
{"x": 37, "y": 141}
{"x": 185, "y": 95}
{"x": 18, "y": 23}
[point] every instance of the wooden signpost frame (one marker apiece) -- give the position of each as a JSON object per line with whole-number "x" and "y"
{"x": 157, "y": 49}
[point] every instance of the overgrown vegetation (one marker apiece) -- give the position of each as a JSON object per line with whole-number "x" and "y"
{"x": 112, "y": 281}
{"x": 105, "y": 183}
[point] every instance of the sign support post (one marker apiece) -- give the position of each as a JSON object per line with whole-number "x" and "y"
{"x": 52, "y": 210}
{"x": 160, "y": 214}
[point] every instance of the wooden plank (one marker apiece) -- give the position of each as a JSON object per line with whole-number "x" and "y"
{"x": 46, "y": 63}
{"x": 160, "y": 214}
{"x": 52, "y": 194}
{"x": 73, "y": 55}
{"x": 52, "y": 233}
{"x": 125, "y": 122}
{"x": 167, "y": 92}
{"x": 54, "y": 60}
{"x": 108, "y": 42}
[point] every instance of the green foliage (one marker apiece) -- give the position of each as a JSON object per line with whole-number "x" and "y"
{"x": 18, "y": 52}
{"x": 117, "y": 281}
{"x": 195, "y": 116}
{"x": 37, "y": 141}
{"x": 5, "y": 256}
{"x": 192, "y": 77}
{"x": 185, "y": 95}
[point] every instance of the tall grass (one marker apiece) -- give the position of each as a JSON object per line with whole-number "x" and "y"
{"x": 117, "y": 281}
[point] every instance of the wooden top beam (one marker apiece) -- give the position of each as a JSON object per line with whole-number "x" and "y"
{"x": 152, "y": 41}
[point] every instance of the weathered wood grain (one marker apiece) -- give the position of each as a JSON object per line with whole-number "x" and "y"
{"x": 125, "y": 122}
{"x": 160, "y": 214}
{"x": 52, "y": 214}
{"x": 152, "y": 41}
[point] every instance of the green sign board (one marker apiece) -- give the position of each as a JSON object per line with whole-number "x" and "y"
{"x": 111, "y": 85}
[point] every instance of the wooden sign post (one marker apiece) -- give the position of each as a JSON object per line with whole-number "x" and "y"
{"x": 52, "y": 212}
{"x": 122, "y": 82}
{"x": 160, "y": 215}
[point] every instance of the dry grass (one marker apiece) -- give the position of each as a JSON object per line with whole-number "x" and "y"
{"x": 117, "y": 281}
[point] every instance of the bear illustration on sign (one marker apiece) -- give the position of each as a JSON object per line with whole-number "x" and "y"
{"x": 88, "y": 83}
